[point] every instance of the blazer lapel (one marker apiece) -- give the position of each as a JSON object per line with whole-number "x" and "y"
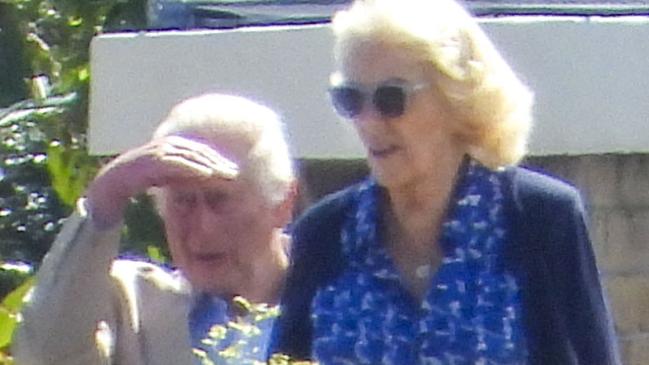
{"x": 165, "y": 329}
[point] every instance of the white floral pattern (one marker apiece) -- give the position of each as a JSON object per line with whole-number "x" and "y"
{"x": 209, "y": 311}
{"x": 471, "y": 314}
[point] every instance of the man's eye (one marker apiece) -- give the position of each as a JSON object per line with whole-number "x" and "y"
{"x": 184, "y": 199}
{"x": 216, "y": 199}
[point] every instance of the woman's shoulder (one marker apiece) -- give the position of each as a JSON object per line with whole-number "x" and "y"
{"x": 544, "y": 211}
{"x": 531, "y": 186}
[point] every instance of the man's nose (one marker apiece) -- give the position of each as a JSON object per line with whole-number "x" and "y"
{"x": 206, "y": 219}
{"x": 202, "y": 225}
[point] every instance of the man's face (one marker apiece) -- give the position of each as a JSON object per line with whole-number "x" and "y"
{"x": 219, "y": 233}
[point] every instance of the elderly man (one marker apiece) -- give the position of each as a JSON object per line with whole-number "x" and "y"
{"x": 222, "y": 179}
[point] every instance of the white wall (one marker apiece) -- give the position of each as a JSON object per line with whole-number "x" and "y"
{"x": 589, "y": 76}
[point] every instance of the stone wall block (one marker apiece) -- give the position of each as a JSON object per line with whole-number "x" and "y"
{"x": 635, "y": 350}
{"x": 596, "y": 176}
{"x": 629, "y": 296}
{"x": 321, "y": 177}
{"x": 560, "y": 166}
{"x": 633, "y": 177}
{"x": 599, "y": 236}
{"x": 626, "y": 246}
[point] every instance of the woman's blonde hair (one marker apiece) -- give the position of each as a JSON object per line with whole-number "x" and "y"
{"x": 258, "y": 129}
{"x": 492, "y": 106}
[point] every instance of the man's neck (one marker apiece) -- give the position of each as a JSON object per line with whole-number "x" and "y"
{"x": 267, "y": 279}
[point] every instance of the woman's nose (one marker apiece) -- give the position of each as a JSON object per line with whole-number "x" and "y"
{"x": 368, "y": 118}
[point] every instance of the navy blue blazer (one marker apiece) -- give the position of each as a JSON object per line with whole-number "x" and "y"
{"x": 564, "y": 311}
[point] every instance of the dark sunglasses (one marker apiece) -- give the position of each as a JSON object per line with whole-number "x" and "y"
{"x": 388, "y": 98}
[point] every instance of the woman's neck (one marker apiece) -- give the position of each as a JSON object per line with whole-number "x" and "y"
{"x": 413, "y": 217}
{"x": 418, "y": 208}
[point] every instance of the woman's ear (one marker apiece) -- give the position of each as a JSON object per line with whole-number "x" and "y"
{"x": 284, "y": 209}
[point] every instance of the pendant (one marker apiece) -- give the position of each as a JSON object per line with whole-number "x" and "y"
{"x": 423, "y": 271}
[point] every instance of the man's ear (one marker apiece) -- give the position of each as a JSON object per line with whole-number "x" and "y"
{"x": 284, "y": 210}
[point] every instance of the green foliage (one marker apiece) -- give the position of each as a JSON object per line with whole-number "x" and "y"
{"x": 30, "y": 212}
{"x": 20, "y": 276}
{"x": 70, "y": 169}
{"x": 143, "y": 233}
{"x": 12, "y": 65}
{"x": 44, "y": 164}
{"x": 9, "y": 309}
{"x": 12, "y": 274}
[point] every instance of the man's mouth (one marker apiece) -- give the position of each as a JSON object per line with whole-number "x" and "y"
{"x": 382, "y": 152}
{"x": 209, "y": 257}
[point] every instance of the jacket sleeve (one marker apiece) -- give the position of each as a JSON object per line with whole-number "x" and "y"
{"x": 573, "y": 268}
{"x": 316, "y": 259}
{"x": 69, "y": 315}
{"x": 567, "y": 314}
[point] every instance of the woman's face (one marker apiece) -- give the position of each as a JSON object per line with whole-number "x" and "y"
{"x": 405, "y": 149}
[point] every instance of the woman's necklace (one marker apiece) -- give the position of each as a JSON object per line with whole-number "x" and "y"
{"x": 416, "y": 256}
{"x": 417, "y": 265}
{"x": 423, "y": 272}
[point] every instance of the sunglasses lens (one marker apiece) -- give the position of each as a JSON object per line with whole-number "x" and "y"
{"x": 347, "y": 101}
{"x": 390, "y": 101}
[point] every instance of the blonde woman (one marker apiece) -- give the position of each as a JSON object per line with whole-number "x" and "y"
{"x": 447, "y": 253}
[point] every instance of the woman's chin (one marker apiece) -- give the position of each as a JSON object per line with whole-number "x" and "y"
{"x": 388, "y": 179}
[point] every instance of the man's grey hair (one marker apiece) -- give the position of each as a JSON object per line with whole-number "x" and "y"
{"x": 255, "y": 128}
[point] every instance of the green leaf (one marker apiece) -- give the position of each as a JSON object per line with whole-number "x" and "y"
{"x": 29, "y": 109}
{"x": 83, "y": 74}
{"x": 14, "y": 300}
{"x": 155, "y": 254}
{"x": 75, "y": 22}
{"x": 9, "y": 309}
{"x": 7, "y": 326}
{"x": 242, "y": 304}
{"x": 58, "y": 167}
{"x": 70, "y": 170}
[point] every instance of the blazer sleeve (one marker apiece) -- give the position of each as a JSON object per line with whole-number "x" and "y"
{"x": 574, "y": 269}
{"x": 571, "y": 320}
{"x": 316, "y": 259}
{"x": 69, "y": 314}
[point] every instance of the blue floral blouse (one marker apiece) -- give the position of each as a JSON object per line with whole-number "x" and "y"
{"x": 209, "y": 311}
{"x": 471, "y": 313}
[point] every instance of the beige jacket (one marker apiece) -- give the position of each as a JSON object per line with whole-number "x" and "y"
{"x": 89, "y": 308}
